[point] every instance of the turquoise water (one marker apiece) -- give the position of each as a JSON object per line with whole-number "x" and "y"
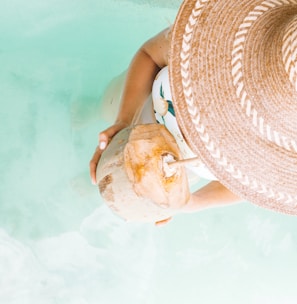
{"x": 58, "y": 241}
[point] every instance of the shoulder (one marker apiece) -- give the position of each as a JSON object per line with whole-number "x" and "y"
{"x": 158, "y": 46}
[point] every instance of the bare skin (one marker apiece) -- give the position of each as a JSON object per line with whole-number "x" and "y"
{"x": 147, "y": 62}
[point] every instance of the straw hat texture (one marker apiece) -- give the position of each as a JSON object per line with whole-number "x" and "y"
{"x": 233, "y": 76}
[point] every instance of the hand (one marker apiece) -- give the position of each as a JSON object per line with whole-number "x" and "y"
{"x": 104, "y": 139}
{"x": 163, "y": 222}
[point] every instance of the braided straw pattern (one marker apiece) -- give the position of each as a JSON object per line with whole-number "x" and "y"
{"x": 285, "y": 198}
{"x": 185, "y": 61}
{"x": 237, "y": 71}
{"x": 289, "y": 51}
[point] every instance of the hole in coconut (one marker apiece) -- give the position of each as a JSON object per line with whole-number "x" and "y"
{"x": 168, "y": 171}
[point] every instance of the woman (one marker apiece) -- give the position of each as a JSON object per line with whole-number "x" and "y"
{"x": 146, "y": 64}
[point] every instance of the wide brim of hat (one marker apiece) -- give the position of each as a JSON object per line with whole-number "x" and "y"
{"x": 234, "y": 99}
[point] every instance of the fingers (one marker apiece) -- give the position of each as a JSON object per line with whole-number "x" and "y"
{"x": 106, "y": 135}
{"x": 103, "y": 142}
{"x": 163, "y": 222}
{"x": 104, "y": 139}
{"x": 93, "y": 164}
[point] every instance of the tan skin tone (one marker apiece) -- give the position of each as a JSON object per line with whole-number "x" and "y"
{"x": 147, "y": 62}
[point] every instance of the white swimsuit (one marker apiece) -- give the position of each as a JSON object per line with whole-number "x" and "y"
{"x": 164, "y": 113}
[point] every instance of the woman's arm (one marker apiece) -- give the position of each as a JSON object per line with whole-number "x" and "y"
{"x": 147, "y": 62}
{"x": 214, "y": 194}
{"x": 150, "y": 58}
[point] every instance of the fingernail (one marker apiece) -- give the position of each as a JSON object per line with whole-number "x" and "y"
{"x": 102, "y": 145}
{"x": 94, "y": 182}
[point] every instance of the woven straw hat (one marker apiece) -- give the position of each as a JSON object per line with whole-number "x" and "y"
{"x": 233, "y": 74}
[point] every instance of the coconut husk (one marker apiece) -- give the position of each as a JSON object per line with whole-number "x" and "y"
{"x": 134, "y": 178}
